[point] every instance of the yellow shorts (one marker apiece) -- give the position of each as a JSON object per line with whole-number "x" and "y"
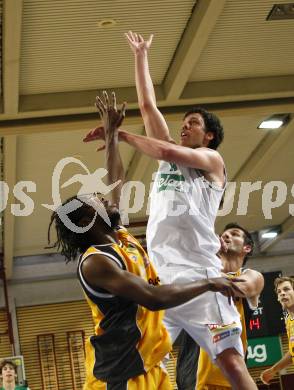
{"x": 155, "y": 379}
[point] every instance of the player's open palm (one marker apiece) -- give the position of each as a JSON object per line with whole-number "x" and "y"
{"x": 111, "y": 117}
{"x": 137, "y": 42}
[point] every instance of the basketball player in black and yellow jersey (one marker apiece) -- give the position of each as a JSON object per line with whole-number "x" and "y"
{"x": 284, "y": 287}
{"x": 237, "y": 246}
{"x": 121, "y": 285}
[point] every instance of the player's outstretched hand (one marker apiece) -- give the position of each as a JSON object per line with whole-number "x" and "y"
{"x": 267, "y": 375}
{"x": 137, "y": 42}
{"x": 110, "y": 116}
{"x": 95, "y": 134}
{"x": 226, "y": 286}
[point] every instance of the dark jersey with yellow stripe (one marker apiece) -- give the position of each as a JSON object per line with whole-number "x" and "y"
{"x": 129, "y": 339}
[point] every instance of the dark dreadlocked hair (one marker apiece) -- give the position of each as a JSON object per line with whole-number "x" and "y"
{"x": 71, "y": 243}
{"x": 248, "y": 240}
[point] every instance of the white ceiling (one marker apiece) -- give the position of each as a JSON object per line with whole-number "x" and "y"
{"x": 222, "y": 54}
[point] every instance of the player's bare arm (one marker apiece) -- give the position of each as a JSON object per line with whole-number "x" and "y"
{"x": 111, "y": 119}
{"x": 155, "y": 124}
{"x": 267, "y": 375}
{"x": 205, "y": 159}
{"x": 101, "y": 272}
{"x": 252, "y": 286}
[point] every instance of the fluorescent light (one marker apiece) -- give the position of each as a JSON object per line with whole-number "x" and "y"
{"x": 269, "y": 235}
{"x": 281, "y": 12}
{"x": 271, "y": 124}
{"x": 275, "y": 121}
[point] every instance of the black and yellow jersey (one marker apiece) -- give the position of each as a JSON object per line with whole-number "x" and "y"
{"x": 289, "y": 321}
{"x": 129, "y": 339}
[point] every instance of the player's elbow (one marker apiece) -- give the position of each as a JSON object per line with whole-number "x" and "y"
{"x": 147, "y": 106}
{"x": 168, "y": 153}
{"x": 153, "y": 306}
{"x": 155, "y": 301}
{"x": 257, "y": 285}
{"x": 162, "y": 152}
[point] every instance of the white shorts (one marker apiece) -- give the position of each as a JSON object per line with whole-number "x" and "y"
{"x": 209, "y": 318}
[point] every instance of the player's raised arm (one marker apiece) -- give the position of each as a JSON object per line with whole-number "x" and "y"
{"x": 155, "y": 124}
{"x": 111, "y": 118}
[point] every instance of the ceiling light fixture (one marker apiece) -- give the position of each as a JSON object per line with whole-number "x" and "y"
{"x": 281, "y": 12}
{"x": 274, "y": 122}
{"x": 106, "y": 23}
{"x": 271, "y": 124}
{"x": 269, "y": 235}
{"x": 269, "y": 232}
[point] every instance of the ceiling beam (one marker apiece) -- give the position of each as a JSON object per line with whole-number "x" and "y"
{"x": 251, "y": 92}
{"x": 194, "y": 40}
{"x": 239, "y": 89}
{"x": 70, "y": 103}
{"x": 12, "y": 18}
{"x": 10, "y": 144}
{"x": 78, "y": 99}
{"x": 48, "y": 125}
{"x": 174, "y": 113}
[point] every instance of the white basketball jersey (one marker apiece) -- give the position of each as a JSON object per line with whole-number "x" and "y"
{"x": 183, "y": 209}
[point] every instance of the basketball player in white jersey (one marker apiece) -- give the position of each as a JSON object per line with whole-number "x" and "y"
{"x": 185, "y": 199}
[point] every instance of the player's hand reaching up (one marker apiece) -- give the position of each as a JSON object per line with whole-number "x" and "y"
{"x": 137, "y": 42}
{"x": 111, "y": 118}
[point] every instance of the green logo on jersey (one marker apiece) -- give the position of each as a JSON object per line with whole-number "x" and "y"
{"x": 173, "y": 167}
{"x": 170, "y": 181}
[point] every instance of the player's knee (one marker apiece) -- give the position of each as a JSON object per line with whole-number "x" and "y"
{"x": 234, "y": 369}
{"x": 232, "y": 364}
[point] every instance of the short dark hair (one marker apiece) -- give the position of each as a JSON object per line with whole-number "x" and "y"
{"x": 4, "y": 362}
{"x": 248, "y": 240}
{"x": 212, "y": 123}
{"x": 283, "y": 279}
